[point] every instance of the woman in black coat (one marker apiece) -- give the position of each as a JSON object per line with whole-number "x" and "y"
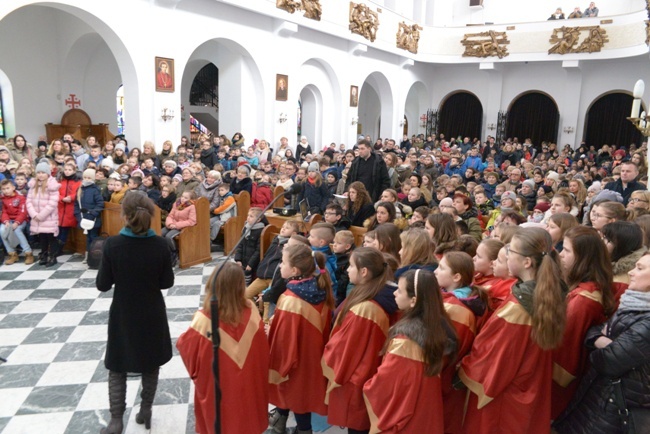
{"x": 618, "y": 380}
{"x": 360, "y": 206}
{"x": 139, "y": 264}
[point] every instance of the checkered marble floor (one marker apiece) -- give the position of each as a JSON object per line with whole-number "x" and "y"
{"x": 53, "y": 334}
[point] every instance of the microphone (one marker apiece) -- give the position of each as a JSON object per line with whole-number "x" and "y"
{"x": 295, "y": 189}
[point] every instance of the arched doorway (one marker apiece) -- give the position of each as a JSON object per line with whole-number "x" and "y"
{"x": 311, "y": 115}
{"x": 606, "y": 121}
{"x": 533, "y": 115}
{"x": 461, "y": 114}
{"x": 375, "y": 107}
{"x": 416, "y": 105}
{"x": 84, "y": 69}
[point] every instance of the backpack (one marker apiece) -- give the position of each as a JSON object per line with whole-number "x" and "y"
{"x": 95, "y": 251}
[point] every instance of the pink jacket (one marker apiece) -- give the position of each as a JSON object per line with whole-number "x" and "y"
{"x": 44, "y": 207}
{"x": 183, "y": 218}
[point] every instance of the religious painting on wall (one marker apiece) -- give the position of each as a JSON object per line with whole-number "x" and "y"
{"x": 164, "y": 74}
{"x": 354, "y": 96}
{"x": 281, "y": 87}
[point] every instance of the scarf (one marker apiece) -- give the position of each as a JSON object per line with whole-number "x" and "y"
{"x": 181, "y": 206}
{"x": 307, "y": 289}
{"x": 127, "y": 232}
{"x": 87, "y": 183}
{"x": 635, "y": 301}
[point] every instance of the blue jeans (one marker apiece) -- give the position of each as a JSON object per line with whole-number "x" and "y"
{"x": 19, "y": 231}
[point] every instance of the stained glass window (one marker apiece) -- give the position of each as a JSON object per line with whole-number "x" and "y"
{"x": 120, "y": 110}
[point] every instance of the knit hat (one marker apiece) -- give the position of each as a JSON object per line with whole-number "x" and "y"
{"x": 89, "y": 173}
{"x": 170, "y": 163}
{"x": 4, "y": 148}
{"x": 508, "y": 195}
{"x": 115, "y": 175}
{"x": 107, "y": 162}
{"x": 614, "y": 196}
{"x": 178, "y": 178}
{"x": 121, "y": 146}
{"x": 530, "y": 183}
{"x": 12, "y": 165}
{"x": 542, "y": 206}
{"x": 619, "y": 153}
{"x": 595, "y": 186}
{"x": 138, "y": 172}
{"x": 313, "y": 167}
{"x": 553, "y": 175}
{"x": 546, "y": 189}
{"x": 43, "y": 166}
{"x": 446, "y": 202}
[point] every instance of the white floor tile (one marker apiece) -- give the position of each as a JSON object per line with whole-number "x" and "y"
{"x": 177, "y": 328}
{"x": 188, "y": 280}
{"x": 100, "y": 304}
{"x": 50, "y": 423}
{"x": 80, "y": 293}
{"x": 13, "y": 336}
{"x": 166, "y": 419}
{"x": 61, "y": 319}
{"x": 31, "y": 354}
{"x": 35, "y": 306}
{"x": 12, "y": 399}
{"x": 4, "y": 283}
{"x": 95, "y": 396}
{"x": 36, "y": 275}
{"x": 89, "y": 333}
{"x": 60, "y": 373}
{"x": 57, "y": 284}
{"x": 14, "y": 295}
{"x": 174, "y": 369}
{"x": 182, "y": 301}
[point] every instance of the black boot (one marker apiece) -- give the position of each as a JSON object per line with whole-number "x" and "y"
{"x": 51, "y": 258}
{"x": 149, "y": 386}
{"x": 117, "y": 400}
{"x": 42, "y": 258}
{"x": 59, "y": 248}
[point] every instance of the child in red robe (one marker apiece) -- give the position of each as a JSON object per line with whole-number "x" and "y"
{"x": 243, "y": 358}
{"x": 588, "y": 273}
{"x": 509, "y": 368}
{"x": 405, "y": 395}
{"x": 465, "y": 304}
{"x": 299, "y": 331}
{"x": 351, "y": 356}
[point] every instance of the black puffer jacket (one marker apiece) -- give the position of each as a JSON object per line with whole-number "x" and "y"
{"x": 593, "y": 409}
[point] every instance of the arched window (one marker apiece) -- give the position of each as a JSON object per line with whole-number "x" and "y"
{"x": 120, "y": 109}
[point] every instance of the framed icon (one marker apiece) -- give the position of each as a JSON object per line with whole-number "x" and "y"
{"x": 164, "y": 74}
{"x": 281, "y": 87}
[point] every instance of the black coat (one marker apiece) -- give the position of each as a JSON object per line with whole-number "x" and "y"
{"x": 138, "y": 332}
{"x": 272, "y": 259}
{"x": 209, "y": 158}
{"x": 317, "y": 197}
{"x": 366, "y": 211}
{"x": 245, "y": 184}
{"x": 380, "y": 177}
{"x": 248, "y": 252}
{"x": 593, "y": 409}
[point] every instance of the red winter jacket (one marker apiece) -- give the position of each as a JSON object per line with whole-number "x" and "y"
{"x": 13, "y": 208}
{"x": 262, "y": 195}
{"x": 69, "y": 189}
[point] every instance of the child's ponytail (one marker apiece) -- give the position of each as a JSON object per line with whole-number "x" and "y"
{"x": 323, "y": 279}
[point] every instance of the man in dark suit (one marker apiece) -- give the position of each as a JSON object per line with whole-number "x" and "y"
{"x": 370, "y": 169}
{"x": 627, "y": 183}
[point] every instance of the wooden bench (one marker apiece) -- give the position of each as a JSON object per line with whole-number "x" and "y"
{"x": 233, "y": 227}
{"x": 358, "y": 233}
{"x": 112, "y": 224}
{"x": 194, "y": 241}
{"x": 278, "y": 202}
{"x": 268, "y": 234}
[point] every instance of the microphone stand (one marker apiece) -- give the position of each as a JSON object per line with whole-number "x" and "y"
{"x": 214, "y": 311}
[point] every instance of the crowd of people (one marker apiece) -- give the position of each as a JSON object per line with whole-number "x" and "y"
{"x": 501, "y": 287}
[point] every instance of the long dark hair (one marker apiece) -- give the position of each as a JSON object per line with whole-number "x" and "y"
{"x": 427, "y": 323}
{"x": 625, "y": 236}
{"x": 305, "y": 260}
{"x": 592, "y": 263}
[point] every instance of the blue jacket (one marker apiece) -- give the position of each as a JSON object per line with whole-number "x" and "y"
{"x": 92, "y": 204}
{"x": 458, "y": 170}
{"x": 330, "y": 264}
{"x": 474, "y": 162}
{"x": 317, "y": 197}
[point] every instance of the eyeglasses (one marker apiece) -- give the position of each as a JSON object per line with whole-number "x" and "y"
{"x": 636, "y": 199}
{"x": 509, "y": 250}
{"x": 330, "y": 213}
{"x": 597, "y": 216}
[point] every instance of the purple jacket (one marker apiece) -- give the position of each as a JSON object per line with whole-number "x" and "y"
{"x": 44, "y": 208}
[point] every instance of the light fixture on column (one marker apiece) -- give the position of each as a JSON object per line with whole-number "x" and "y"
{"x": 640, "y": 121}
{"x": 282, "y": 118}
{"x": 423, "y": 120}
{"x": 355, "y": 120}
{"x": 402, "y": 122}
{"x": 568, "y": 129}
{"x": 491, "y": 127}
{"x": 167, "y": 114}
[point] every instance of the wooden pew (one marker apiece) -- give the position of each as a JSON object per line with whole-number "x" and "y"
{"x": 112, "y": 224}
{"x": 233, "y": 227}
{"x": 194, "y": 241}
{"x": 279, "y": 199}
{"x": 358, "y": 233}
{"x": 268, "y": 233}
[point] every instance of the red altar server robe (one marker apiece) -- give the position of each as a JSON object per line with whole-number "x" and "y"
{"x": 464, "y": 322}
{"x": 243, "y": 371}
{"x": 509, "y": 376}
{"x": 498, "y": 290}
{"x": 400, "y": 398}
{"x": 351, "y": 357}
{"x": 298, "y": 335}
{"x": 584, "y": 309}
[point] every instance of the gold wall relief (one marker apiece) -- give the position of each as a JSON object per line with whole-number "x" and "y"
{"x": 486, "y": 44}
{"x": 363, "y": 21}
{"x": 565, "y": 40}
{"x": 312, "y": 8}
{"x": 408, "y": 37}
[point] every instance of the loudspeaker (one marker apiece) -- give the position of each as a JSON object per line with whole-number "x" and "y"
{"x": 475, "y": 3}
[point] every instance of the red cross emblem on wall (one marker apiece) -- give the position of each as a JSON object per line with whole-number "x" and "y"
{"x": 73, "y": 101}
